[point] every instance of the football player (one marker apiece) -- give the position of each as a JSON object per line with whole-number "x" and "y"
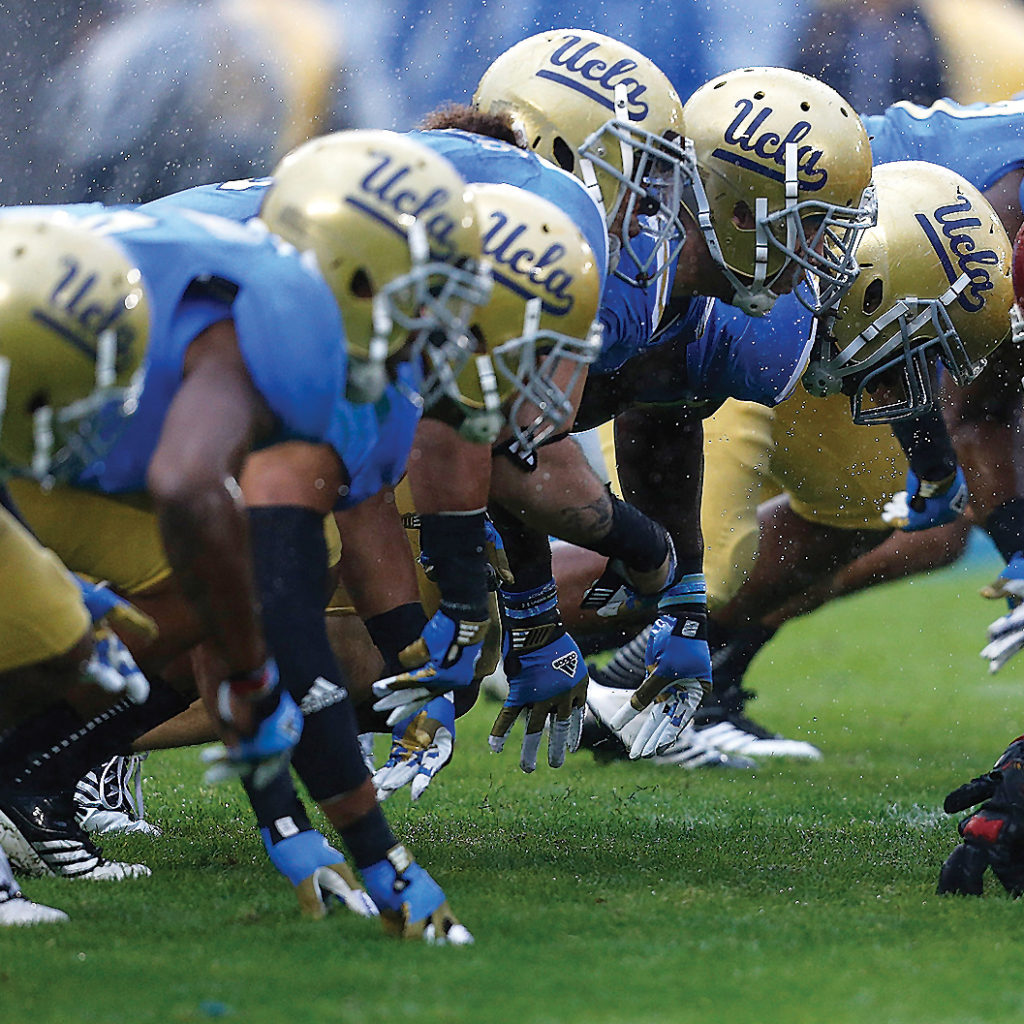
{"x": 545, "y": 300}
{"x": 890, "y": 327}
{"x": 58, "y": 655}
{"x": 984, "y": 143}
{"x": 573, "y": 96}
{"x": 451, "y": 510}
{"x": 294, "y": 404}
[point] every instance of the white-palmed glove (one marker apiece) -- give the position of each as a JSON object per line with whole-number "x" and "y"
{"x": 925, "y": 503}
{"x": 1006, "y": 634}
{"x": 678, "y": 676}
{"x": 421, "y": 745}
{"x": 112, "y": 668}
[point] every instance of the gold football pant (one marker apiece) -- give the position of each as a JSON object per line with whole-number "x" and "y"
{"x": 41, "y": 610}
{"x": 836, "y": 473}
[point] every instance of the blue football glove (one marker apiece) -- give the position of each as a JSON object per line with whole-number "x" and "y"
{"x": 412, "y": 905}
{"x": 1006, "y": 634}
{"x": 612, "y": 594}
{"x": 104, "y": 606}
{"x": 112, "y": 668}
{"x": 678, "y": 677}
{"x": 443, "y": 658}
{"x": 421, "y": 745}
{"x": 318, "y": 872}
{"x": 270, "y": 724}
{"x": 925, "y": 503}
{"x": 1009, "y": 583}
{"x": 549, "y": 684}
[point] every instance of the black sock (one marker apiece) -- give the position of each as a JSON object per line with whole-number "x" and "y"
{"x": 1005, "y": 526}
{"x": 54, "y": 749}
{"x": 277, "y": 807}
{"x": 369, "y": 838}
{"x": 732, "y": 651}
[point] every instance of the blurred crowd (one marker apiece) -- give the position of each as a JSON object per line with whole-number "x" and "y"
{"x": 122, "y": 100}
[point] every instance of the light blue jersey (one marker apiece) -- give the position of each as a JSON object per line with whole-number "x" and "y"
{"x": 720, "y": 352}
{"x": 199, "y": 270}
{"x": 376, "y": 439}
{"x": 981, "y": 141}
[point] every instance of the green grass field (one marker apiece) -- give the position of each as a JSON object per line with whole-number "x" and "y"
{"x": 605, "y": 893}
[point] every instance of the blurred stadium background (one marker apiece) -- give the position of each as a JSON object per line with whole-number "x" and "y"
{"x": 122, "y": 100}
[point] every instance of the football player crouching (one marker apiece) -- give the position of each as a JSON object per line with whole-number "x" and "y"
{"x": 933, "y": 291}
{"x": 59, "y": 658}
{"x": 753, "y": 228}
{"x": 540, "y": 334}
{"x": 303, "y": 394}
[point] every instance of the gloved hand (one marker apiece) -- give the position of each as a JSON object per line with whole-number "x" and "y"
{"x": 613, "y": 594}
{"x": 1009, "y": 583}
{"x": 317, "y": 871}
{"x": 497, "y": 561}
{"x": 412, "y": 905}
{"x": 993, "y": 835}
{"x": 263, "y": 722}
{"x": 678, "y": 677}
{"x": 927, "y": 503}
{"x": 421, "y": 745}
{"x": 441, "y": 659}
{"x": 104, "y": 606}
{"x": 112, "y": 668}
{"x": 547, "y": 676}
{"x": 549, "y": 684}
{"x": 1006, "y": 634}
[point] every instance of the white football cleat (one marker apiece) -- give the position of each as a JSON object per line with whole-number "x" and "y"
{"x": 16, "y": 909}
{"x": 109, "y": 799}
{"x": 41, "y": 837}
{"x": 723, "y": 724}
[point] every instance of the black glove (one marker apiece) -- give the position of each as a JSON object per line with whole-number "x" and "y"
{"x": 993, "y": 836}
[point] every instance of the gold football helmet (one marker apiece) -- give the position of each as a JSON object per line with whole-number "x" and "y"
{"x": 394, "y": 235}
{"x": 74, "y": 323}
{"x": 934, "y": 283}
{"x": 604, "y": 112}
{"x": 783, "y": 177}
{"x": 530, "y": 345}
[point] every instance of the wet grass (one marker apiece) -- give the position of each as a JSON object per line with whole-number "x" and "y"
{"x": 605, "y": 892}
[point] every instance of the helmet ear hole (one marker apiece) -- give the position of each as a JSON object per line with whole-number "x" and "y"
{"x": 873, "y": 295}
{"x": 360, "y": 285}
{"x": 563, "y": 154}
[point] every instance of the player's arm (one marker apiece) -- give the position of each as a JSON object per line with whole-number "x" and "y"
{"x": 376, "y": 560}
{"x": 210, "y": 427}
{"x": 661, "y": 471}
{"x": 936, "y": 491}
{"x": 193, "y": 477}
{"x": 449, "y": 478}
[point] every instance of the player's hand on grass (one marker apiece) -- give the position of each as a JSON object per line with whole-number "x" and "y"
{"x": 547, "y": 685}
{"x": 1006, "y": 634}
{"x": 678, "y": 676}
{"x": 927, "y": 503}
{"x": 443, "y": 658}
{"x": 412, "y": 905}
{"x": 319, "y": 873}
{"x": 421, "y": 745}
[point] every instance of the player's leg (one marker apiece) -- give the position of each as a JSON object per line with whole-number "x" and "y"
{"x": 46, "y": 705}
